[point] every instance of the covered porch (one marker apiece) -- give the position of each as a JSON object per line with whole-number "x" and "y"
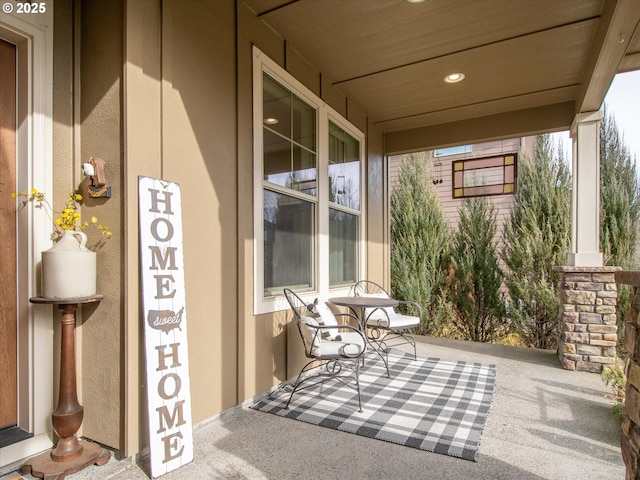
{"x": 545, "y": 423}
{"x": 166, "y": 89}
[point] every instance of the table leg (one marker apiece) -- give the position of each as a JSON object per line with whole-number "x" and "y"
{"x": 363, "y": 327}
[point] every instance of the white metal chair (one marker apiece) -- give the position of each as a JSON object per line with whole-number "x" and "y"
{"x": 387, "y": 327}
{"x": 338, "y": 348}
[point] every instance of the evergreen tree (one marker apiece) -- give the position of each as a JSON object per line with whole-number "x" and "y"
{"x": 619, "y": 197}
{"x": 476, "y": 279}
{"x": 419, "y": 241}
{"x": 537, "y": 237}
{"x": 619, "y": 206}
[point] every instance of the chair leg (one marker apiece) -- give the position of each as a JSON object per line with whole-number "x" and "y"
{"x": 379, "y": 347}
{"x": 356, "y": 376}
{"x": 298, "y": 382}
{"x": 357, "y": 363}
{"x": 411, "y": 341}
{"x": 405, "y": 339}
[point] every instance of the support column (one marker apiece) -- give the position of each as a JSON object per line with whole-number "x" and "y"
{"x": 585, "y": 208}
{"x": 587, "y": 317}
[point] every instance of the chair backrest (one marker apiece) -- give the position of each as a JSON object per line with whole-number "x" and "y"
{"x": 300, "y": 312}
{"x": 295, "y": 302}
{"x": 367, "y": 287}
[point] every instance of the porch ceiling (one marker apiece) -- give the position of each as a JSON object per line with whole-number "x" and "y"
{"x": 549, "y": 58}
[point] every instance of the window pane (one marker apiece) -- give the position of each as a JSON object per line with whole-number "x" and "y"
{"x": 288, "y": 165}
{"x": 484, "y": 176}
{"x": 452, "y": 150}
{"x": 277, "y": 158}
{"x": 288, "y": 243}
{"x": 344, "y": 168}
{"x": 343, "y": 247}
{"x": 276, "y": 107}
{"x": 289, "y": 139}
{"x": 304, "y": 124}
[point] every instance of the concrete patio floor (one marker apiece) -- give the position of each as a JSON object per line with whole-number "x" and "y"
{"x": 545, "y": 423}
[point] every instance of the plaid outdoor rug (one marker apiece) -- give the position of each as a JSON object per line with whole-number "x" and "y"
{"x": 430, "y": 404}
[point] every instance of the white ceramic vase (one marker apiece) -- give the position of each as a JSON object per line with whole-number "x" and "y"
{"x": 69, "y": 268}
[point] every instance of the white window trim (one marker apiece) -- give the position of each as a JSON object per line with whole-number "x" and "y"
{"x": 261, "y": 305}
{"x": 34, "y": 43}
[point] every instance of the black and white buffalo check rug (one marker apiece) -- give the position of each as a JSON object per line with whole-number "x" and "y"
{"x": 431, "y": 404}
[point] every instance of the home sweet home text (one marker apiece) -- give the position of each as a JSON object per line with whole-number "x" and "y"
{"x": 165, "y": 325}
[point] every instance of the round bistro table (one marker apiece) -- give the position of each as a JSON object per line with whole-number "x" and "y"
{"x": 361, "y": 303}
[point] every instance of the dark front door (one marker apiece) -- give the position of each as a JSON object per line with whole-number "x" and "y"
{"x": 8, "y": 307}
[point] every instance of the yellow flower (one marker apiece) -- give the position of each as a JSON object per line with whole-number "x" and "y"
{"x": 68, "y": 218}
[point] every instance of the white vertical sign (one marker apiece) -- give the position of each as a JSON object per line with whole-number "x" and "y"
{"x": 165, "y": 325}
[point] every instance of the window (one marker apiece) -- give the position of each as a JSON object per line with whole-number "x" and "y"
{"x": 288, "y": 226}
{"x": 289, "y": 139}
{"x": 344, "y": 201}
{"x": 290, "y": 188}
{"x": 307, "y": 214}
{"x": 443, "y": 152}
{"x": 484, "y": 176}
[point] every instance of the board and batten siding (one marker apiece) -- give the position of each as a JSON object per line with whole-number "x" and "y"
{"x": 441, "y": 169}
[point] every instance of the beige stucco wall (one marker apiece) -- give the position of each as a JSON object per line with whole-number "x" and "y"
{"x": 142, "y": 132}
{"x": 164, "y": 89}
{"x": 181, "y": 126}
{"x": 83, "y": 127}
{"x": 378, "y": 266}
{"x": 101, "y": 136}
{"x": 199, "y": 153}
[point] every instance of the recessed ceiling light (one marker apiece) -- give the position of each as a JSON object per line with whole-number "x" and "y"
{"x": 270, "y": 121}
{"x": 416, "y": 1}
{"x": 454, "y": 77}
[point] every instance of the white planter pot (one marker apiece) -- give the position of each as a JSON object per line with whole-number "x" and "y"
{"x": 69, "y": 268}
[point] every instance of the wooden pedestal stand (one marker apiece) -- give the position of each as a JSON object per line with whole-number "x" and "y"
{"x": 70, "y": 454}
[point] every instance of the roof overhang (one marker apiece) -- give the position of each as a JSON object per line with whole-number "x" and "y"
{"x": 529, "y": 66}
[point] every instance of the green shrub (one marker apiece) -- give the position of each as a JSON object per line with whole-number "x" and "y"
{"x": 619, "y": 208}
{"x": 420, "y": 242}
{"x": 537, "y": 236}
{"x": 613, "y": 376}
{"x": 475, "y": 284}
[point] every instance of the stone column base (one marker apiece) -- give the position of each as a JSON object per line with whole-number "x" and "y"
{"x": 631, "y": 419}
{"x": 588, "y": 332}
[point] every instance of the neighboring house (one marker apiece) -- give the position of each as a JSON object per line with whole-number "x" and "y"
{"x": 485, "y": 169}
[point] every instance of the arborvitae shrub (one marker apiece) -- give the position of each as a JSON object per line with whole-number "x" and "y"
{"x": 474, "y": 287}
{"x": 619, "y": 207}
{"x": 537, "y": 236}
{"x": 420, "y": 242}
